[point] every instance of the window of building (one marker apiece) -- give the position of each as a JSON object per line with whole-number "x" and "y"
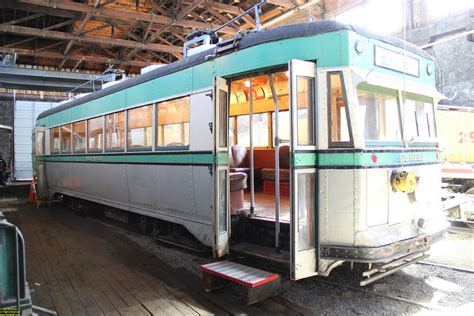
{"x": 284, "y": 126}
{"x": 66, "y": 139}
{"x": 140, "y": 127}
{"x": 384, "y": 16}
{"x": 173, "y": 123}
{"x": 378, "y": 114}
{"x": 95, "y": 129}
{"x": 79, "y": 136}
{"x": 54, "y": 139}
{"x": 339, "y": 126}
{"x": 259, "y": 129}
{"x": 418, "y": 120}
{"x": 115, "y": 131}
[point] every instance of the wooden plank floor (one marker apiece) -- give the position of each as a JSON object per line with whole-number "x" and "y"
{"x": 87, "y": 268}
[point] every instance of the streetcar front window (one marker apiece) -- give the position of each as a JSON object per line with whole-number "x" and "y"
{"x": 379, "y": 115}
{"x": 419, "y": 122}
{"x": 339, "y": 131}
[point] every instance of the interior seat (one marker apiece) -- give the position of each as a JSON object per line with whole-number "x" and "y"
{"x": 238, "y": 159}
{"x": 269, "y": 173}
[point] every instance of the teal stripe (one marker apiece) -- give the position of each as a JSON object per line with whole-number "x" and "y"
{"x": 377, "y": 159}
{"x": 185, "y": 159}
{"x": 299, "y": 159}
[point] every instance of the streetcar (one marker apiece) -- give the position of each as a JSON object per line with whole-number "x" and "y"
{"x": 309, "y": 145}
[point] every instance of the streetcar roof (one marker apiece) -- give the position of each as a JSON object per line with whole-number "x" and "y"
{"x": 245, "y": 40}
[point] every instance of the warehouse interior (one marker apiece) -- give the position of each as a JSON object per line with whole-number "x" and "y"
{"x": 54, "y": 51}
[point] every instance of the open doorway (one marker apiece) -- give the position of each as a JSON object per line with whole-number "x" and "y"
{"x": 252, "y": 131}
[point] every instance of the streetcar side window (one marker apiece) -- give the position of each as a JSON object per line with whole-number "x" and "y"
{"x": 54, "y": 139}
{"x": 66, "y": 139}
{"x": 79, "y": 136}
{"x": 339, "y": 135}
{"x": 140, "y": 127}
{"x": 40, "y": 143}
{"x": 115, "y": 131}
{"x": 173, "y": 123}
{"x": 260, "y": 130}
{"x": 95, "y": 131}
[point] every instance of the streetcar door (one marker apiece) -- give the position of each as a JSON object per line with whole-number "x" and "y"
{"x": 221, "y": 221}
{"x": 303, "y": 228}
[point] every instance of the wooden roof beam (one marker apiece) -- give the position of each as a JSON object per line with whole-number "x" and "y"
{"x": 124, "y": 15}
{"x": 28, "y": 31}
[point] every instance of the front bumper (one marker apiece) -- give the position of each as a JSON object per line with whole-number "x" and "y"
{"x": 385, "y": 253}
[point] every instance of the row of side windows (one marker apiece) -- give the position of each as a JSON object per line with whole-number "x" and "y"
{"x": 110, "y": 133}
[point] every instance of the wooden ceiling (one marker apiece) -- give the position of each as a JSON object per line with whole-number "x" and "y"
{"x": 94, "y": 35}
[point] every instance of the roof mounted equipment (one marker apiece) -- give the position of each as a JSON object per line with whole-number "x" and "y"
{"x": 206, "y": 39}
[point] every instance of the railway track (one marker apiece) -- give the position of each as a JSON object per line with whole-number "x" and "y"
{"x": 392, "y": 297}
{"x": 292, "y": 308}
{"x": 462, "y": 230}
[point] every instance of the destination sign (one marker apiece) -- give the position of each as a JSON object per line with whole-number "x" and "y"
{"x": 395, "y": 61}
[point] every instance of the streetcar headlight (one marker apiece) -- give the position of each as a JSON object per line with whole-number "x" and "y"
{"x": 359, "y": 47}
{"x": 403, "y": 181}
{"x": 429, "y": 69}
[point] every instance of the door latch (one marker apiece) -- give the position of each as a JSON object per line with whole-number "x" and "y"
{"x": 210, "y": 126}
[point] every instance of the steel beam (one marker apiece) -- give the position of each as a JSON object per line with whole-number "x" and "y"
{"x": 44, "y": 80}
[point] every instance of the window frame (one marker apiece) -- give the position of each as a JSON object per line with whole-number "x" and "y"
{"x": 84, "y": 150}
{"x": 115, "y": 149}
{"x": 419, "y": 142}
{"x": 269, "y": 133}
{"x": 95, "y": 151}
{"x": 51, "y": 140}
{"x": 157, "y": 147}
{"x": 127, "y": 128}
{"x": 387, "y": 92}
{"x": 338, "y": 144}
{"x": 61, "y": 139}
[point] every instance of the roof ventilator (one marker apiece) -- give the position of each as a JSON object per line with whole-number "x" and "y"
{"x": 207, "y": 39}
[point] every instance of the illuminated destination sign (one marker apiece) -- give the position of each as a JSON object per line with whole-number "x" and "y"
{"x": 395, "y": 61}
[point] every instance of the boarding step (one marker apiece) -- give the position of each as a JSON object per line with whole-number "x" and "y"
{"x": 254, "y": 285}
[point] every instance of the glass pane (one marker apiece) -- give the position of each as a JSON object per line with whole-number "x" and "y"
{"x": 339, "y": 126}
{"x": 115, "y": 131}
{"x": 54, "y": 139}
{"x": 96, "y": 133}
{"x": 140, "y": 127}
{"x": 222, "y": 201}
{"x": 223, "y": 119}
{"x": 284, "y": 126}
{"x": 231, "y": 130}
{"x": 418, "y": 120}
{"x": 379, "y": 116}
{"x": 306, "y": 211}
{"x": 305, "y": 111}
{"x": 173, "y": 123}
{"x": 66, "y": 138}
{"x": 260, "y": 130}
{"x": 79, "y": 136}
{"x": 40, "y": 143}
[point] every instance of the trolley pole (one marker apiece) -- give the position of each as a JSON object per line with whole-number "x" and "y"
{"x": 277, "y": 167}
